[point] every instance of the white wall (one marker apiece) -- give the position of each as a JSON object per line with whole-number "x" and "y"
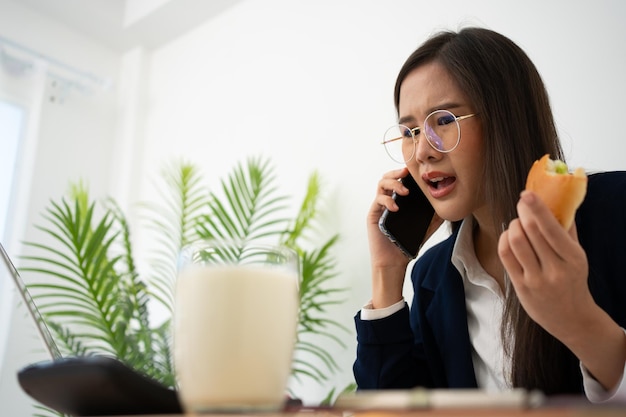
{"x": 309, "y": 83}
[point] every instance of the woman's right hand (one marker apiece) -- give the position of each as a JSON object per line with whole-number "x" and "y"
{"x": 387, "y": 261}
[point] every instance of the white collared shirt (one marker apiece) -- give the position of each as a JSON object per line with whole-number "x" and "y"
{"x": 484, "y": 303}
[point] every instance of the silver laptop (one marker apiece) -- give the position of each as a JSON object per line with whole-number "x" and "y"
{"x": 86, "y": 385}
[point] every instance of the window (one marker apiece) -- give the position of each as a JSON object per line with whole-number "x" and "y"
{"x": 11, "y": 126}
{"x": 11, "y": 122}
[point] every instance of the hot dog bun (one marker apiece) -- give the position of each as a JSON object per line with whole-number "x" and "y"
{"x": 561, "y": 191}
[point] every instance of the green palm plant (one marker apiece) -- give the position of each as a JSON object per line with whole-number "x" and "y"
{"x": 96, "y": 301}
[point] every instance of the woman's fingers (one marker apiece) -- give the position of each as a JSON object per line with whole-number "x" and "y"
{"x": 389, "y": 184}
{"x": 505, "y": 251}
{"x": 544, "y": 232}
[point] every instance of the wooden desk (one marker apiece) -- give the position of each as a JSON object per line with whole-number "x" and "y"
{"x": 555, "y": 406}
{"x": 584, "y": 411}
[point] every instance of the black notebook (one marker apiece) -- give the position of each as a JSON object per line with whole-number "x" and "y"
{"x": 87, "y": 385}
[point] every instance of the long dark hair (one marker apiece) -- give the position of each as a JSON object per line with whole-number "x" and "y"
{"x": 505, "y": 88}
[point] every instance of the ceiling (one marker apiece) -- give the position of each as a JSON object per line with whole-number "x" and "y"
{"x": 124, "y": 24}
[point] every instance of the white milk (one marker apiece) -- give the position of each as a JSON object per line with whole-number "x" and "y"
{"x": 234, "y": 333}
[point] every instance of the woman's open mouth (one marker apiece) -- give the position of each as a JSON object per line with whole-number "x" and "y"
{"x": 440, "y": 185}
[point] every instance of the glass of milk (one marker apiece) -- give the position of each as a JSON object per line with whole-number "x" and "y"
{"x": 235, "y": 322}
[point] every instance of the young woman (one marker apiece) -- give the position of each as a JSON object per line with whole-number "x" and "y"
{"x": 511, "y": 298}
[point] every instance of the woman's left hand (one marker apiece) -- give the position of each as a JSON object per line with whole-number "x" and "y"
{"x": 546, "y": 265}
{"x": 548, "y": 269}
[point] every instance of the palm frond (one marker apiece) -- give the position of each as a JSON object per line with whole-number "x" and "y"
{"x": 248, "y": 208}
{"x": 174, "y": 222}
{"x": 88, "y": 291}
{"x": 307, "y": 212}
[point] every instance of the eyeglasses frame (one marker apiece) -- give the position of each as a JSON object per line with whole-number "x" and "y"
{"x": 417, "y": 130}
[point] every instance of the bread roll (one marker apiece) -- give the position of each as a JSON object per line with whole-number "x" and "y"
{"x": 561, "y": 191}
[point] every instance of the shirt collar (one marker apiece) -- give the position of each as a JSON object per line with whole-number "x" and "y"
{"x": 465, "y": 261}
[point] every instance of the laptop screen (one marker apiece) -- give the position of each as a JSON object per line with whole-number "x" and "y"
{"x": 43, "y": 329}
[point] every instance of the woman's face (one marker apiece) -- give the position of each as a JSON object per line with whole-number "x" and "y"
{"x": 451, "y": 181}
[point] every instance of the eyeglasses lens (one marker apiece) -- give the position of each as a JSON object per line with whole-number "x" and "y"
{"x": 442, "y": 130}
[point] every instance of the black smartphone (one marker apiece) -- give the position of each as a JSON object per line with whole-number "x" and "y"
{"x": 407, "y": 227}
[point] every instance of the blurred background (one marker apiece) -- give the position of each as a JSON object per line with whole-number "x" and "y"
{"x": 109, "y": 91}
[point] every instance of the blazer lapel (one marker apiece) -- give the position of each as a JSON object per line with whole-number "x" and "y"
{"x": 447, "y": 316}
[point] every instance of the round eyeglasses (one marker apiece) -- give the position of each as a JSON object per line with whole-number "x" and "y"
{"x": 441, "y": 129}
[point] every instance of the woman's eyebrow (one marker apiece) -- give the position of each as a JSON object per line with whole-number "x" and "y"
{"x": 444, "y": 106}
{"x": 405, "y": 119}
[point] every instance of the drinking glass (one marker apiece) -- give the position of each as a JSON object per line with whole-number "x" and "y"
{"x": 235, "y": 323}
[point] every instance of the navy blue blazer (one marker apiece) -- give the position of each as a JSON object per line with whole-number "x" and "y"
{"x": 429, "y": 344}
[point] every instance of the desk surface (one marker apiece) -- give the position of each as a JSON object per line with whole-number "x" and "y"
{"x": 595, "y": 411}
{"x": 539, "y": 412}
